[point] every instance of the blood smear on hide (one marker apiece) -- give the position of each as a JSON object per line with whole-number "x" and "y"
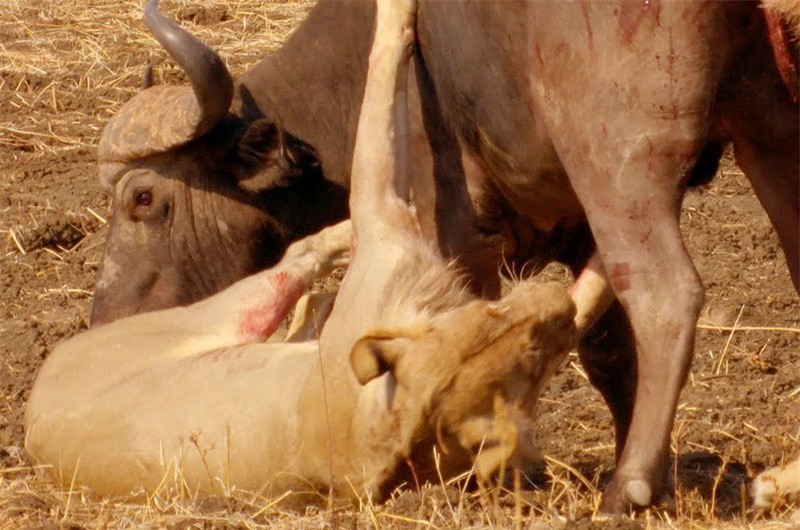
{"x": 280, "y": 293}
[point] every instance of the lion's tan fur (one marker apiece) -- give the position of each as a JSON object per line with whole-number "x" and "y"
{"x": 406, "y": 357}
{"x": 789, "y": 10}
{"x": 777, "y": 483}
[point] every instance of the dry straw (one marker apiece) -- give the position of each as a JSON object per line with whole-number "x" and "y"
{"x": 51, "y": 52}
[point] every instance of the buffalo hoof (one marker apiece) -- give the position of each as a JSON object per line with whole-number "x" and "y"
{"x": 627, "y": 494}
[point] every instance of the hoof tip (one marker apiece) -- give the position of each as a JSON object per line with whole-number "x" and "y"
{"x": 639, "y": 492}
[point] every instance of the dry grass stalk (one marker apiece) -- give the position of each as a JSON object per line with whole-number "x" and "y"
{"x": 716, "y": 327}
{"x": 718, "y": 366}
{"x": 44, "y": 46}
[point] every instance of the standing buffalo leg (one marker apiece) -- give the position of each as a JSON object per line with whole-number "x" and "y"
{"x": 655, "y": 281}
{"x": 608, "y": 352}
{"x": 773, "y": 172}
{"x": 757, "y": 111}
{"x": 628, "y": 141}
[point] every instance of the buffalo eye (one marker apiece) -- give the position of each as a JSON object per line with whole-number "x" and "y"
{"x": 144, "y": 205}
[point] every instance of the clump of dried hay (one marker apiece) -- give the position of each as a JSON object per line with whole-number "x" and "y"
{"x": 66, "y": 67}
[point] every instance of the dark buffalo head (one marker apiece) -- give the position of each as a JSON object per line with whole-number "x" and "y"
{"x": 205, "y": 189}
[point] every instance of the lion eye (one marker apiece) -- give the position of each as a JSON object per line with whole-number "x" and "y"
{"x": 144, "y": 198}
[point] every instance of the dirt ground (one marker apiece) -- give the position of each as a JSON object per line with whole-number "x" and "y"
{"x": 64, "y": 69}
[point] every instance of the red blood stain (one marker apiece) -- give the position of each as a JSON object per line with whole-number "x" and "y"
{"x": 655, "y": 5}
{"x": 645, "y": 238}
{"x": 281, "y": 292}
{"x": 588, "y": 25}
{"x": 785, "y": 60}
{"x": 621, "y": 277}
{"x": 539, "y": 56}
{"x": 632, "y": 14}
{"x": 671, "y": 71}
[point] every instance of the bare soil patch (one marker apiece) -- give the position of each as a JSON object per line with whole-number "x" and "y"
{"x": 65, "y": 67}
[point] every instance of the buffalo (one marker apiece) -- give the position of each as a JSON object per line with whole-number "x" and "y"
{"x": 541, "y": 131}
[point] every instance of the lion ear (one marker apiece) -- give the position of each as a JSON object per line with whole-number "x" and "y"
{"x": 272, "y": 157}
{"x": 376, "y": 354}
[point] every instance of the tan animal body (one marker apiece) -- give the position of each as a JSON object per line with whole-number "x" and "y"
{"x": 185, "y": 394}
{"x": 193, "y": 397}
{"x": 779, "y": 482}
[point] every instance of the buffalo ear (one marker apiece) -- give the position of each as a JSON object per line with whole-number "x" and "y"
{"x": 272, "y": 157}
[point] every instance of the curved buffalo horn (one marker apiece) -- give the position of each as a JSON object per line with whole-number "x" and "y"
{"x": 137, "y": 129}
{"x": 211, "y": 81}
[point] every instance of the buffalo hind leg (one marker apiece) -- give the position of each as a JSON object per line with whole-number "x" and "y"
{"x": 607, "y": 348}
{"x": 627, "y": 164}
{"x": 659, "y": 288}
{"x": 608, "y": 352}
{"x": 764, "y": 123}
